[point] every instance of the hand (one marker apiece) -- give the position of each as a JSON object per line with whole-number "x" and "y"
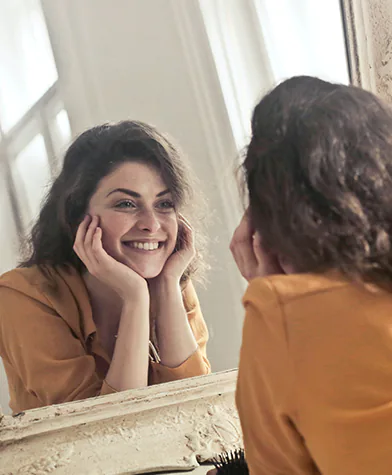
{"x": 88, "y": 246}
{"x": 251, "y": 258}
{"x": 181, "y": 258}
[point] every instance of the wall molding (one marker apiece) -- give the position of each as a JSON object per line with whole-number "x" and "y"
{"x": 209, "y": 97}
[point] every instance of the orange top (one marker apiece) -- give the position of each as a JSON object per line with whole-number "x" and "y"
{"x": 314, "y": 389}
{"x": 49, "y": 343}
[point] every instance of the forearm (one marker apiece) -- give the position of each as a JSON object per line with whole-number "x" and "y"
{"x": 175, "y": 337}
{"x": 129, "y": 367}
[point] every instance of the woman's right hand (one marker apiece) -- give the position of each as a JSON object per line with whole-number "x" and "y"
{"x": 249, "y": 254}
{"x": 88, "y": 246}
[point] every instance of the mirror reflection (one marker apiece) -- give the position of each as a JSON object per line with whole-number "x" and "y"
{"x": 128, "y": 279}
{"x": 104, "y": 301}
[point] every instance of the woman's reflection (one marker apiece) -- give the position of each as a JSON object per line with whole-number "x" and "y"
{"x": 105, "y": 300}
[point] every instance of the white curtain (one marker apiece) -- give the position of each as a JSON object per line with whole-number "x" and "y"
{"x": 304, "y": 37}
{"x": 258, "y": 43}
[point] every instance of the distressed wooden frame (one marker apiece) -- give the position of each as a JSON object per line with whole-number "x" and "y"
{"x": 368, "y": 27}
{"x": 169, "y": 427}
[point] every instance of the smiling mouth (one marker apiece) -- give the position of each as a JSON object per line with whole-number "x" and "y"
{"x": 144, "y": 246}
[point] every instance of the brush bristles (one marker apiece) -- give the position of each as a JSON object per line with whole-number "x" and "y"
{"x": 232, "y": 462}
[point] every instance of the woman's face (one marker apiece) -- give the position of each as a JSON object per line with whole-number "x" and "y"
{"x": 137, "y": 216}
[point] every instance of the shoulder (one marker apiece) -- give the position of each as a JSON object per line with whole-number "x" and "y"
{"x": 45, "y": 285}
{"x": 282, "y": 290}
{"x": 37, "y": 296}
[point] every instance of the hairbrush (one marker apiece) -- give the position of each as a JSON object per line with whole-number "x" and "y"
{"x": 231, "y": 463}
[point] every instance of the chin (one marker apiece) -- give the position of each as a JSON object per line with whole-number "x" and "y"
{"x": 146, "y": 272}
{"x": 149, "y": 275}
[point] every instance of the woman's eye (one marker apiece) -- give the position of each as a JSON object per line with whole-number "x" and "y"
{"x": 167, "y": 204}
{"x": 125, "y": 204}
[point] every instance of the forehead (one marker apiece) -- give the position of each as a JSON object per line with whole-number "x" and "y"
{"x": 135, "y": 176}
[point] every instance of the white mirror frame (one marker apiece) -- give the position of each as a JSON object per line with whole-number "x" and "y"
{"x": 168, "y": 427}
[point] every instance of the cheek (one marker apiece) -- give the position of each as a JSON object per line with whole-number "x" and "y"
{"x": 114, "y": 226}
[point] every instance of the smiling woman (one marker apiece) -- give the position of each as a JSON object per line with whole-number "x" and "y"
{"x": 138, "y": 217}
{"x": 105, "y": 302}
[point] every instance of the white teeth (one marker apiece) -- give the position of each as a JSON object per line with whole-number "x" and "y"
{"x": 146, "y": 246}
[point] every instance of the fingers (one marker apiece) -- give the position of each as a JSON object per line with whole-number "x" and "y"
{"x": 88, "y": 239}
{"x": 182, "y": 218}
{"x": 186, "y": 240}
{"x": 243, "y": 233}
{"x": 258, "y": 247}
{"x": 267, "y": 263}
{"x": 96, "y": 245}
{"x": 184, "y": 251}
{"x": 88, "y": 242}
{"x": 241, "y": 247}
{"x": 79, "y": 238}
{"x": 187, "y": 232}
{"x": 91, "y": 236}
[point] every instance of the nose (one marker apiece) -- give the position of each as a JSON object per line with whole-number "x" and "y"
{"x": 148, "y": 221}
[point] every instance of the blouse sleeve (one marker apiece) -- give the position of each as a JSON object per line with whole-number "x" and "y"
{"x": 197, "y": 364}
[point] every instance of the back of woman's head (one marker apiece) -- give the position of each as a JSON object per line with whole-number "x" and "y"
{"x": 319, "y": 175}
{"x": 91, "y": 157}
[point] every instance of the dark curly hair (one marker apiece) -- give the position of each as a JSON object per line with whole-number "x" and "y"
{"x": 318, "y": 171}
{"x": 91, "y": 157}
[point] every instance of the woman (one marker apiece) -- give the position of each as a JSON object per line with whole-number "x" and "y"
{"x": 104, "y": 302}
{"x": 315, "y": 379}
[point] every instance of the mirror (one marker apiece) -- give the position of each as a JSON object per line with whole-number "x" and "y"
{"x": 193, "y": 68}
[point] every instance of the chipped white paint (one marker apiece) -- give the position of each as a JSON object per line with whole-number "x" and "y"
{"x": 369, "y": 41}
{"x": 380, "y": 16}
{"x": 167, "y": 427}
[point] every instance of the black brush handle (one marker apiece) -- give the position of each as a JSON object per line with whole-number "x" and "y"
{"x": 231, "y": 463}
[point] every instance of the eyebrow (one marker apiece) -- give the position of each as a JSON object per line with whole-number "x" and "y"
{"x": 134, "y": 194}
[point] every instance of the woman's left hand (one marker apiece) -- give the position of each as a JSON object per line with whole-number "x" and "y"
{"x": 181, "y": 258}
{"x": 251, "y": 258}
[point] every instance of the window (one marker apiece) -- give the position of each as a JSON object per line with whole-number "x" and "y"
{"x": 258, "y": 43}
{"x": 34, "y": 126}
{"x": 304, "y": 37}
{"x": 28, "y": 69}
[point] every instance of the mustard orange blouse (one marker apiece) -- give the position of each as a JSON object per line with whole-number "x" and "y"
{"x": 49, "y": 343}
{"x": 314, "y": 389}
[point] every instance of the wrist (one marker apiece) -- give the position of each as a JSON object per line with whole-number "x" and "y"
{"x": 166, "y": 283}
{"x": 134, "y": 293}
